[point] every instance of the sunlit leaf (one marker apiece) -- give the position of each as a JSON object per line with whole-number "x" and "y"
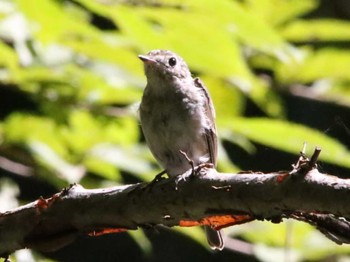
{"x": 102, "y": 168}
{"x": 8, "y": 59}
{"x": 228, "y": 101}
{"x": 128, "y": 159}
{"x": 317, "y": 65}
{"x": 36, "y": 129}
{"x": 85, "y": 131}
{"x": 110, "y": 48}
{"x": 48, "y": 157}
{"x": 317, "y": 30}
{"x": 302, "y": 239}
{"x": 63, "y": 26}
{"x": 277, "y": 12}
{"x": 290, "y": 137}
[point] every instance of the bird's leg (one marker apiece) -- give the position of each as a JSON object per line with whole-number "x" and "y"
{"x": 190, "y": 161}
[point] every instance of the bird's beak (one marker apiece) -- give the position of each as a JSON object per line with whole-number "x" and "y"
{"x": 147, "y": 59}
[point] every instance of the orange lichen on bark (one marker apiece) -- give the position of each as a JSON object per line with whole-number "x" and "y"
{"x": 43, "y": 203}
{"x": 217, "y": 222}
{"x": 282, "y": 177}
{"x": 104, "y": 231}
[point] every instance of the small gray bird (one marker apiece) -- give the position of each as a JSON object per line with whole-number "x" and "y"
{"x": 178, "y": 119}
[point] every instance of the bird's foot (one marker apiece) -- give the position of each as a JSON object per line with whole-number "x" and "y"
{"x": 156, "y": 179}
{"x": 203, "y": 165}
{"x": 190, "y": 161}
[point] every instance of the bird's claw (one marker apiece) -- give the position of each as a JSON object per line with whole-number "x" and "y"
{"x": 156, "y": 179}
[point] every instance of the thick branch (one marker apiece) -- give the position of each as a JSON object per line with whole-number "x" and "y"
{"x": 52, "y": 223}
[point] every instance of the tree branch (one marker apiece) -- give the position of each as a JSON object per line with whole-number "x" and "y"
{"x": 206, "y": 198}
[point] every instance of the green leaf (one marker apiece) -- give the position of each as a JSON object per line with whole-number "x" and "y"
{"x": 130, "y": 159}
{"x": 43, "y": 82}
{"x": 289, "y": 137}
{"x": 316, "y": 65}
{"x": 278, "y": 12}
{"x": 63, "y": 26}
{"x": 109, "y": 88}
{"x": 102, "y": 168}
{"x": 49, "y": 158}
{"x": 317, "y": 29}
{"x": 224, "y": 94}
{"x": 8, "y": 60}
{"x": 110, "y": 48}
{"x": 305, "y": 240}
{"x": 36, "y": 129}
{"x": 85, "y": 131}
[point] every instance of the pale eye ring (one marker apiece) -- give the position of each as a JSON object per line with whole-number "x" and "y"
{"x": 172, "y": 61}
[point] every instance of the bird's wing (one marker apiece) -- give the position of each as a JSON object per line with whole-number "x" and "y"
{"x": 210, "y": 133}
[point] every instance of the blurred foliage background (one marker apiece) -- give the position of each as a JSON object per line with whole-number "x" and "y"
{"x": 70, "y": 83}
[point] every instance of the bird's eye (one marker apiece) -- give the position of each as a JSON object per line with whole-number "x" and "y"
{"x": 172, "y": 61}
